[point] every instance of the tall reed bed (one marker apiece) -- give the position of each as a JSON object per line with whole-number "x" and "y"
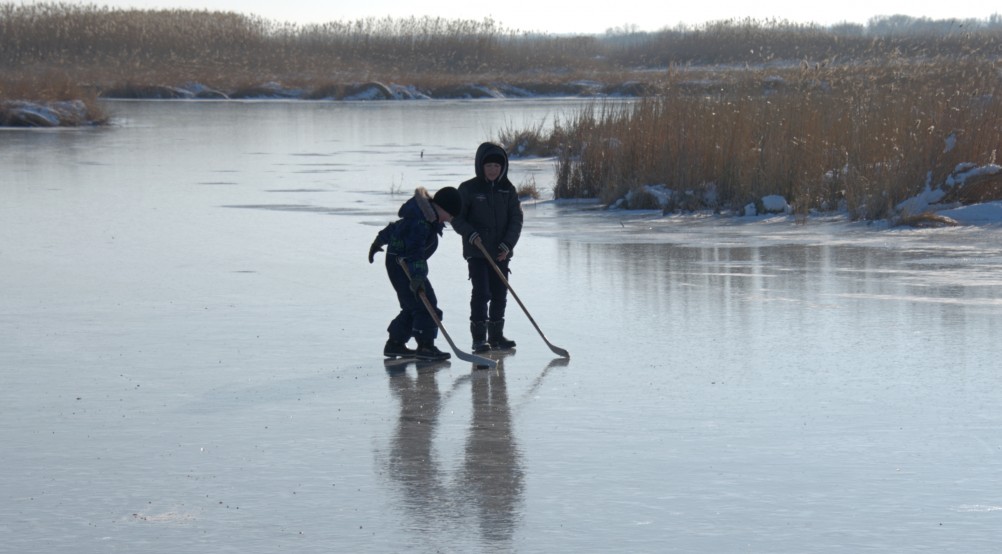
{"x": 757, "y": 42}
{"x": 860, "y": 137}
{"x": 104, "y": 47}
{"x": 100, "y": 48}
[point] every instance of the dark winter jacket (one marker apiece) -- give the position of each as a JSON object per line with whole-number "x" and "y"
{"x": 490, "y": 210}
{"x": 413, "y": 237}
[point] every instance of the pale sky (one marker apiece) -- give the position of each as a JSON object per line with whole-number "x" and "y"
{"x": 562, "y": 16}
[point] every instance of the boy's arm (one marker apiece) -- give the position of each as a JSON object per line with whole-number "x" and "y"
{"x": 460, "y": 223}
{"x": 514, "y": 229}
{"x": 382, "y": 238}
{"x": 415, "y": 238}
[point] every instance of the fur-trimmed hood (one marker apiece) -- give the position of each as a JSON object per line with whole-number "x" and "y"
{"x": 422, "y": 202}
{"x": 413, "y": 237}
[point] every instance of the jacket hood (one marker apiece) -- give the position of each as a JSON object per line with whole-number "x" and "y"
{"x": 419, "y": 206}
{"x": 490, "y": 148}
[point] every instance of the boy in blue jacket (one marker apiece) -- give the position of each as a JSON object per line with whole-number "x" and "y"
{"x": 411, "y": 240}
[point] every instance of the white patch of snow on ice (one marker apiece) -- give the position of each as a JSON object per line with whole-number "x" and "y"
{"x": 978, "y": 508}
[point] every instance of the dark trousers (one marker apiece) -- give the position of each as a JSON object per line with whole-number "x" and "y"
{"x": 490, "y": 295}
{"x": 413, "y": 319}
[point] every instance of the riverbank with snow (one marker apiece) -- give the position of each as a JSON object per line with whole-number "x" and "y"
{"x": 75, "y": 113}
{"x": 64, "y": 113}
{"x": 970, "y": 195}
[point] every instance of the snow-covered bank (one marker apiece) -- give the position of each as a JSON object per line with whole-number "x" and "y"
{"x": 65, "y": 113}
{"x": 24, "y": 113}
{"x": 969, "y": 195}
{"x": 376, "y": 90}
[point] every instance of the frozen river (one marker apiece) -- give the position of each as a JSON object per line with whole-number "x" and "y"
{"x": 191, "y": 336}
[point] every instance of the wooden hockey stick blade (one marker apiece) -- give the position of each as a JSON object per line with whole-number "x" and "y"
{"x": 473, "y": 358}
{"x": 553, "y": 348}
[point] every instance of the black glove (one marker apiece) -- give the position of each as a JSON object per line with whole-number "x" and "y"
{"x": 376, "y": 247}
{"x": 417, "y": 285}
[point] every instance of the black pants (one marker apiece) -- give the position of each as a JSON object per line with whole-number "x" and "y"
{"x": 413, "y": 319}
{"x": 490, "y": 295}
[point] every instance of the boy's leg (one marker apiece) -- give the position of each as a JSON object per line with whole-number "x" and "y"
{"x": 499, "y": 301}
{"x": 425, "y": 329}
{"x": 481, "y": 293}
{"x": 480, "y": 280}
{"x": 401, "y": 328}
{"x": 498, "y": 292}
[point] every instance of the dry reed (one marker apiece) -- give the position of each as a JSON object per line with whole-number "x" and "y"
{"x": 862, "y": 138}
{"x": 100, "y": 48}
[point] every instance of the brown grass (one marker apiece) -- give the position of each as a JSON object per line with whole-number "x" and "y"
{"x": 926, "y": 220}
{"x": 49, "y": 88}
{"x": 101, "y": 49}
{"x": 865, "y": 137}
{"x": 527, "y": 188}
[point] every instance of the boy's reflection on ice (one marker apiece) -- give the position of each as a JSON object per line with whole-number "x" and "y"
{"x": 487, "y": 485}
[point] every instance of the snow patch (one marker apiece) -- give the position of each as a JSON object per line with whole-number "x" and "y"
{"x": 43, "y": 114}
{"x": 968, "y": 170}
{"x": 989, "y": 213}
{"x": 775, "y": 203}
{"x": 920, "y": 202}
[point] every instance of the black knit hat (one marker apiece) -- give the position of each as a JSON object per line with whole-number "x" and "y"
{"x": 493, "y": 158}
{"x": 448, "y": 199}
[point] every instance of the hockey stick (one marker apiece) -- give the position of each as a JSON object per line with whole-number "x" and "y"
{"x": 556, "y": 349}
{"x": 479, "y": 360}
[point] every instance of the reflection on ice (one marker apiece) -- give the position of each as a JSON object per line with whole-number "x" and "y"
{"x": 491, "y": 475}
{"x": 485, "y": 487}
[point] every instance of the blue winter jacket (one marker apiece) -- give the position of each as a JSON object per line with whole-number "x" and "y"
{"x": 413, "y": 237}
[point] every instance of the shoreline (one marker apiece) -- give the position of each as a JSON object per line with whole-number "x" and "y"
{"x": 926, "y": 210}
{"x": 27, "y": 114}
{"x": 24, "y": 113}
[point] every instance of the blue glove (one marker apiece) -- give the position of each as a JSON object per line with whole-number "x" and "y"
{"x": 376, "y": 247}
{"x": 417, "y": 285}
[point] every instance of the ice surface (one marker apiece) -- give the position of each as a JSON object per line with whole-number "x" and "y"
{"x": 190, "y": 341}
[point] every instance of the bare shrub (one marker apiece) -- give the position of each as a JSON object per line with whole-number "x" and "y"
{"x": 528, "y": 188}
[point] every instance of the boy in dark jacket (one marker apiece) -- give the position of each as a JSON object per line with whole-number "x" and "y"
{"x": 411, "y": 240}
{"x": 491, "y": 216}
